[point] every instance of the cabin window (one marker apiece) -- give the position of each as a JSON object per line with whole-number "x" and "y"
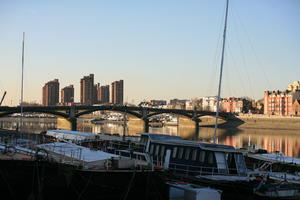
{"x": 187, "y": 153}
{"x": 156, "y": 150}
{"x": 174, "y": 152}
{"x": 202, "y": 156}
{"x": 210, "y": 158}
{"x": 162, "y": 151}
{"x": 194, "y": 154}
{"x": 180, "y": 153}
{"x": 151, "y": 149}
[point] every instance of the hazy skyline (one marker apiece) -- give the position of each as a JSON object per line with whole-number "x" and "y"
{"x": 161, "y": 49}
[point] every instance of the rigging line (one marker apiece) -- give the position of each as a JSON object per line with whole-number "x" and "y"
{"x": 236, "y": 68}
{"x": 252, "y": 47}
{"x": 242, "y": 51}
{"x": 216, "y": 56}
{"x": 227, "y": 83}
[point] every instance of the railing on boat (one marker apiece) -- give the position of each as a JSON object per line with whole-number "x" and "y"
{"x": 201, "y": 170}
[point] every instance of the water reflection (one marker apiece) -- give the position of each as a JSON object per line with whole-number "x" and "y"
{"x": 284, "y": 141}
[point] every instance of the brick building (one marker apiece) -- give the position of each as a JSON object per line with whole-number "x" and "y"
{"x": 87, "y": 90}
{"x": 51, "y": 93}
{"x": 236, "y": 105}
{"x": 280, "y": 102}
{"x": 296, "y": 108}
{"x": 117, "y": 92}
{"x": 67, "y": 95}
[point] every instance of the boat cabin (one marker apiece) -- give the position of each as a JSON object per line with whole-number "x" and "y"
{"x": 193, "y": 158}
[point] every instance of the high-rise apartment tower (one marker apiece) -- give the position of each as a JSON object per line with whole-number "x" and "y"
{"x": 67, "y": 95}
{"x": 117, "y": 92}
{"x": 51, "y": 93}
{"x": 87, "y": 90}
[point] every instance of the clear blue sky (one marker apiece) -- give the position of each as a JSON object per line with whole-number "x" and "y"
{"x": 161, "y": 49}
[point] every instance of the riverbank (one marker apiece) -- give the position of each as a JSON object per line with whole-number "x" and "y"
{"x": 255, "y": 122}
{"x": 269, "y": 122}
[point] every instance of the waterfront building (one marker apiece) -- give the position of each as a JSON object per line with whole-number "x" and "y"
{"x": 236, "y": 105}
{"x": 51, "y": 93}
{"x": 103, "y": 94}
{"x": 209, "y": 103}
{"x": 296, "y": 107}
{"x": 294, "y": 86}
{"x": 87, "y": 89}
{"x": 117, "y": 92}
{"x": 194, "y": 104}
{"x": 153, "y": 103}
{"x": 280, "y": 102}
{"x": 67, "y": 95}
{"x": 177, "y": 104}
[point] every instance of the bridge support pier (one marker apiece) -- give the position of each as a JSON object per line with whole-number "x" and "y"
{"x": 73, "y": 122}
{"x": 146, "y": 125}
{"x": 196, "y": 120}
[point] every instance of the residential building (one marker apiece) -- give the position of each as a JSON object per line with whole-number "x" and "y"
{"x": 117, "y": 92}
{"x": 280, "y": 102}
{"x": 51, "y": 93}
{"x": 236, "y": 105}
{"x": 87, "y": 89}
{"x": 177, "y": 103}
{"x": 194, "y": 104}
{"x": 103, "y": 94}
{"x": 296, "y": 108}
{"x": 153, "y": 103}
{"x": 209, "y": 103}
{"x": 67, "y": 95}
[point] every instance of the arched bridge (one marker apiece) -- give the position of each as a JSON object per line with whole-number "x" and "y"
{"x": 71, "y": 113}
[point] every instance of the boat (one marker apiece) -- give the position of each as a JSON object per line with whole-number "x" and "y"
{"x": 278, "y": 190}
{"x": 66, "y": 170}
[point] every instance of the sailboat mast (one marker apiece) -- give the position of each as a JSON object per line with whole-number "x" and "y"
{"x": 221, "y": 73}
{"x": 22, "y": 85}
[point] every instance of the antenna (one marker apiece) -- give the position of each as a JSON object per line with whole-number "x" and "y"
{"x": 221, "y": 72}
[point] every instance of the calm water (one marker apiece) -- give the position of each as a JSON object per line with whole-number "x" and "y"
{"x": 284, "y": 141}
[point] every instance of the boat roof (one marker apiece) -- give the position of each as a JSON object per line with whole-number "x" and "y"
{"x": 71, "y": 135}
{"x": 76, "y": 151}
{"x": 178, "y": 141}
{"x": 276, "y": 158}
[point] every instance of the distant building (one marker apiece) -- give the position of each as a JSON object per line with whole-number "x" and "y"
{"x": 294, "y": 86}
{"x": 157, "y": 103}
{"x": 209, "y": 103}
{"x": 103, "y": 94}
{"x": 194, "y": 104}
{"x": 51, "y": 93}
{"x": 67, "y": 95}
{"x": 153, "y": 103}
{"x": 296, "y": 108}
{"x": 87, "y": 89}
{"x": 117, "y": 92}
{"x": 280, "y": 102}
{"x": 236, "y": 105}
{"x": 177, "y": 103}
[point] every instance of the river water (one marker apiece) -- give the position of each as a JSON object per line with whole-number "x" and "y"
{"x": 283, "y": 141}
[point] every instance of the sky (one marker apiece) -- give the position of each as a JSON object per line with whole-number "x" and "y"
{"x": 162, "y": 49}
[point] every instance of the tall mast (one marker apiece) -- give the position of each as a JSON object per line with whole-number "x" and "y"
{"x": 22, "y": 85}
{"x": 221, "y": 73}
